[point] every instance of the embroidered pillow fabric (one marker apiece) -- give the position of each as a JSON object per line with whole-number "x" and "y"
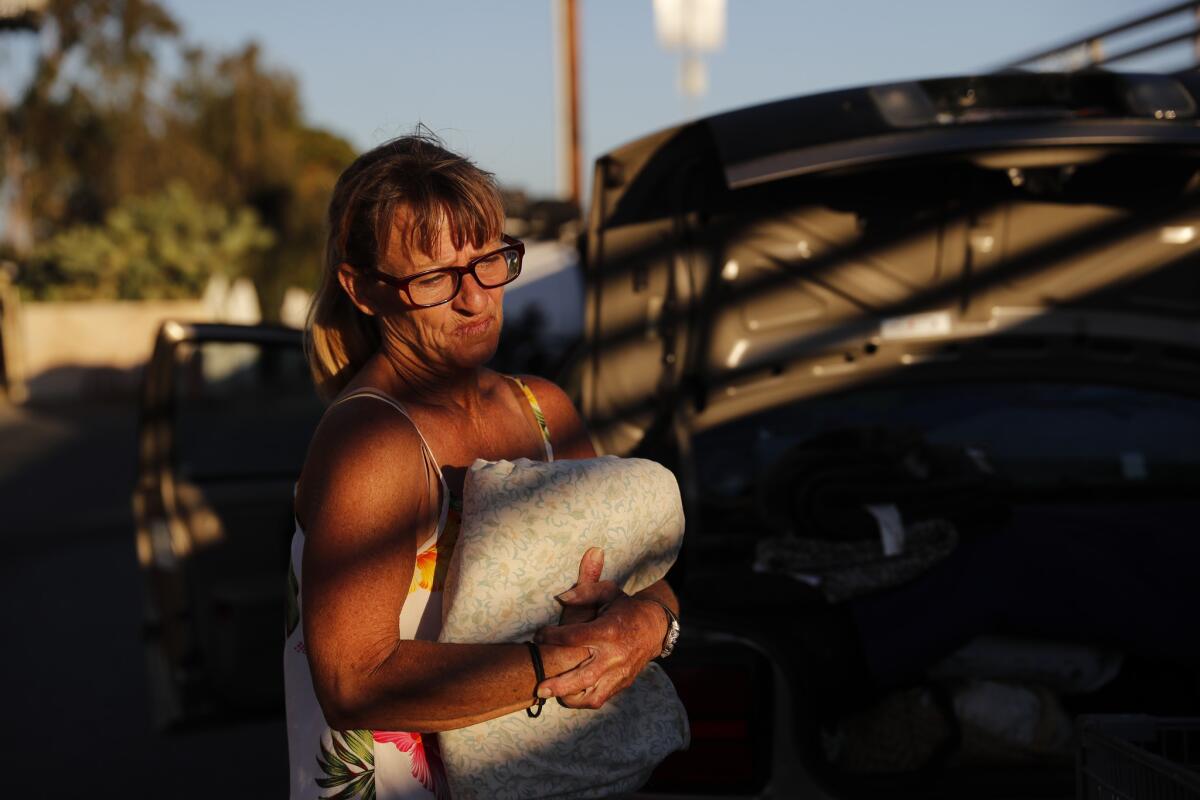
{"x": 525, "y": 525}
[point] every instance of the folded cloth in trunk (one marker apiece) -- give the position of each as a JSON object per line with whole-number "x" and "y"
{"x": 1066, "y": 667}
{"x": 820, "y": 488}
{"x": 525, "y": 526}
{"x": 844, "y": 570}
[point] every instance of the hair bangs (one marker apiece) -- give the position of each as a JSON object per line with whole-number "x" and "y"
{"x": 470, "y": 213}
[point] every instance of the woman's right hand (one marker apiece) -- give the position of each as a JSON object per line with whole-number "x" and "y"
{"x": 582, "y": 602}
{"x": 612, "y": 663}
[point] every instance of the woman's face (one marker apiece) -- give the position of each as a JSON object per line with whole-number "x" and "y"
{"x": 462, "y": 333}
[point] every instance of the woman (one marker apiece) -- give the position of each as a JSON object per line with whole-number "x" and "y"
{"x": 408, "y": 312}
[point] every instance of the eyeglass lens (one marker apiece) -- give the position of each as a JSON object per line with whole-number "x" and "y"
{"x": 495, "y": 270}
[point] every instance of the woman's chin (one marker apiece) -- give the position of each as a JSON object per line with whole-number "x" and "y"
{"x": 477, "y": 353}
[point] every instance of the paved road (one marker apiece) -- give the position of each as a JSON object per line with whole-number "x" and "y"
{"x": 76, "y": 712}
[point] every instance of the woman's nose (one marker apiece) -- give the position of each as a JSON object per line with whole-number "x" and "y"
{"x": 471, "y": 296}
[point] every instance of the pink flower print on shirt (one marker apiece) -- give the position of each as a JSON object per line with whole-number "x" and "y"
{"x": 427, "y": 764}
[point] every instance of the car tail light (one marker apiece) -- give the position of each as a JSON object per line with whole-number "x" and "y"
{"x": 726, "y": 690}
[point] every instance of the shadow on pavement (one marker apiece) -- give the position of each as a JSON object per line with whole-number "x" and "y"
{"x": 77, "y": 708}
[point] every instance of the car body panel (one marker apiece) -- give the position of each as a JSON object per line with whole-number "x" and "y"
{"x": 703, "y": 282}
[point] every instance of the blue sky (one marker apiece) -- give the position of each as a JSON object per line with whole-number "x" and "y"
{"x": 480, "y": 72}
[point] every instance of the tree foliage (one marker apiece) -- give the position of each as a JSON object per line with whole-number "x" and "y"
{"x": 101, "y": 130}
{"x": 165, "y": 246}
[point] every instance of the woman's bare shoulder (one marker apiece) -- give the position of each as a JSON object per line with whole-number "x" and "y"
{"x": 364, "y": 464}
{"x": 567, "y": 431}
{"x": 544, "y": 387}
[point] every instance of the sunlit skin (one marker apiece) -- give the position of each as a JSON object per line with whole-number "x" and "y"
{"x": 366, "y": 499}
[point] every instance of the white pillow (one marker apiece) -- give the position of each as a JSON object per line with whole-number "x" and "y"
{"x": 525, "y": 526}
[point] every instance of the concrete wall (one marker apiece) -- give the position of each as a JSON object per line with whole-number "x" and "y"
{"x": 93, "y": 350}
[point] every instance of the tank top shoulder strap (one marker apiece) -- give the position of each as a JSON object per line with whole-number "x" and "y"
{"x": 537, "y": 415}
{"x": 426, "y": 450}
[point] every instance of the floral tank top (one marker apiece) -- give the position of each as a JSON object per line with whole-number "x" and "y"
{"x": 366, "y": 764}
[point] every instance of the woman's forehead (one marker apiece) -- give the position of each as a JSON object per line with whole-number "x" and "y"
{"x": 405, "y": 253}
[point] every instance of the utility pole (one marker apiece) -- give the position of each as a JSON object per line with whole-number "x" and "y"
{"x": 570, "y": 156}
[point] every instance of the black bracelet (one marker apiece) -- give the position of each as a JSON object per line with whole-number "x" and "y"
{"x": 540, "y": 672}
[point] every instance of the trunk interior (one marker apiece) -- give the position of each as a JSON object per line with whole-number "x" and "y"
{"x": 1074, "y": 506}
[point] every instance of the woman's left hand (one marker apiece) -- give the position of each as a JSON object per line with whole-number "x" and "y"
{"x": 623, "y": 638}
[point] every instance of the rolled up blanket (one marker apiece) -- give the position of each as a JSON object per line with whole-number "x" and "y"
{"x": 525, "y": 526}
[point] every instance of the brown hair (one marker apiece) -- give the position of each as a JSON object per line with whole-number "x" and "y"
{"x": 435, "y": 188}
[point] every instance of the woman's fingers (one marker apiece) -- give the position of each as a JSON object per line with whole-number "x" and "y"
{"x": 583, "y": 594}
{"x": 591, "y": 565}
{"x": 599, "y": 616}
{"x": 574, "y": 683}
{"x": 573, "y": 615}
{"x": 582, "y": 602}
{"x": 598, "y": 684}
{"x": 592, "y": 697}
{"x": 546, "y": 690}
{"x": 575, "y": 609}
{"x": 622, "y": 640}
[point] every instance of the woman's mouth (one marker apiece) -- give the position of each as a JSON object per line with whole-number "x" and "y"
{"x": 474, "y": 328}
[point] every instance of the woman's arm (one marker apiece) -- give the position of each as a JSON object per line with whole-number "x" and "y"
{"x": 367, "y": 498}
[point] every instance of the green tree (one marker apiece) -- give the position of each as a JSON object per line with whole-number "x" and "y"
{"x": 81, "y": 137}
{"x": 98, "y": 125}
{"x": 245, "y": 119}
{"x": 165, "y": 246}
